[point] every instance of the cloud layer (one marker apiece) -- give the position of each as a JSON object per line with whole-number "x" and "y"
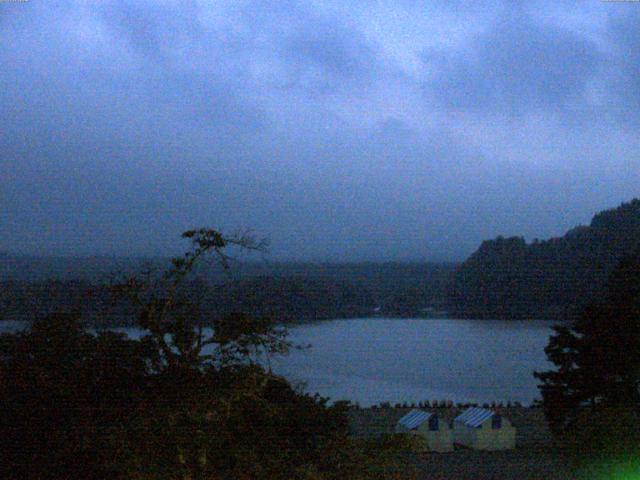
{"x": 340, "y": 130}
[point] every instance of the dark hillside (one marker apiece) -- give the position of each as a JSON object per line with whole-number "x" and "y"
{"x": 509, "y": 278}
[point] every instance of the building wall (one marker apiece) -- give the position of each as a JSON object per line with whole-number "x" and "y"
{"x": 464, "y": 435}
{"x": 437, "y": 441}
{"x": 486, "y": 438}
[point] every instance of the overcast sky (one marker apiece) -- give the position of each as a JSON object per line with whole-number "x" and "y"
{"x": 339, "y": 130}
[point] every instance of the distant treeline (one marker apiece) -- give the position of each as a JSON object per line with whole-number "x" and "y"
{"x": 288, "y": 292}
{"x": 509, "y": 278}
{"x": 505, "y": 278}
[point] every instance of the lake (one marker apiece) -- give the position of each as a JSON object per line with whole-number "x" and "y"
{"x": 371, "y": 360}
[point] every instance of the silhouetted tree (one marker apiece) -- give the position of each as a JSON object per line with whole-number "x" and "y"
{"x": 67, "y": 396}
{"x": 597, "y": 357}
{"x": 183, "y": 402}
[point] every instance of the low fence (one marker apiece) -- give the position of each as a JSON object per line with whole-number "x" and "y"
{"x": 447, "y": 404}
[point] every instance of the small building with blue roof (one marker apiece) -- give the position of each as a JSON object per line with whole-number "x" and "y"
{"x": 483, "y": 429}
{"x": 434, "y": 433}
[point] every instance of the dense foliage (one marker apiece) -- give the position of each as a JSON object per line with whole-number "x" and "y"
{"x": 77, "y": 405}
{"x": 592, "y": 398}
{"x": 66, "y": 397}
{"x": 183, "y": 402}
{"x": 290, "y": 292}
{"x": 556, "y": 278}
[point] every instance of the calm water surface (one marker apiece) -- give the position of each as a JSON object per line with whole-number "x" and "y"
{"x": 397, "y": 360}
{"x": 371, "y": 360}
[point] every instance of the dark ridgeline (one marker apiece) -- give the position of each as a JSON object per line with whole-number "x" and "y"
{"x": 505, "y": 278}
{"x": 289, "y": 292}
{"x": 508, "y": 278}
{"x": 305, "y": 292}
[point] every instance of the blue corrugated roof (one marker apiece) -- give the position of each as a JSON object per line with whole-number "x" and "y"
{"x": 414, "y": 419}
{"x": 473, "y": 417}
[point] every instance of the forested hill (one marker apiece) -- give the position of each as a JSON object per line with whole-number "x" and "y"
{"x": 33, "y": 287}
{"x": 555, "y": 278}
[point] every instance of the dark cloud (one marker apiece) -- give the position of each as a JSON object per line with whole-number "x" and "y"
{"x": 621, "y": 87}
{"x": 152, "y": 28}
{"x": 336, "y": 51}
{"x": 124, "y": 123}
{"x": 516, "y": 66}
